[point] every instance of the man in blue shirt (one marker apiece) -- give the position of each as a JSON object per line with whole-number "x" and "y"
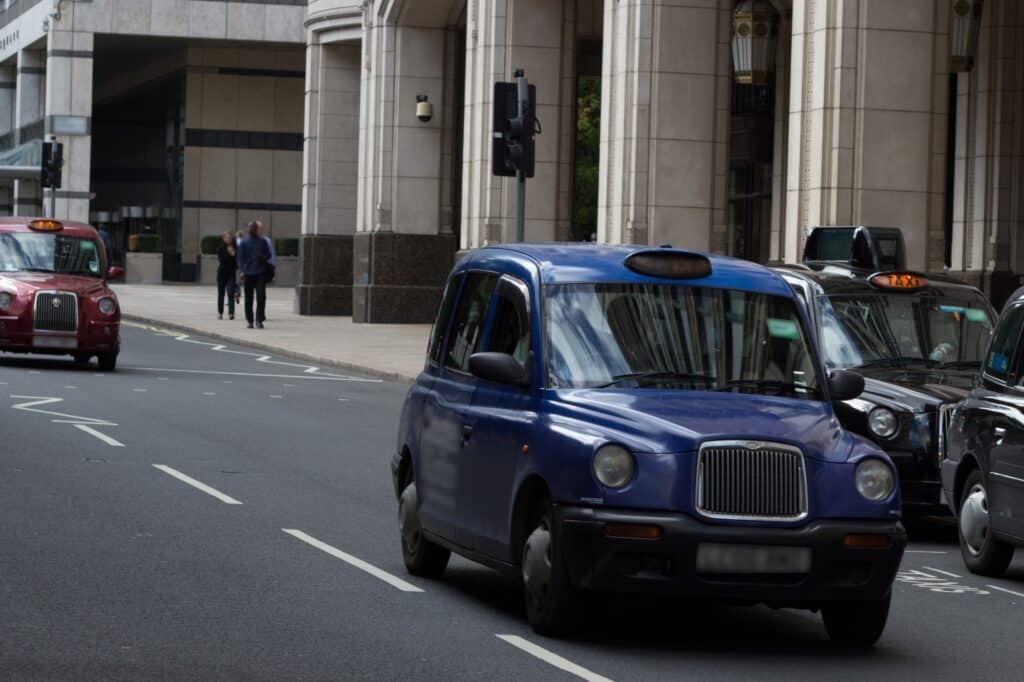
{"x": 253, "y": 262}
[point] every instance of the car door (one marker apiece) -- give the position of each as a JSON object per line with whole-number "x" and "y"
{"x": 1000, "y": 424}
{"x": 503, "y": 416}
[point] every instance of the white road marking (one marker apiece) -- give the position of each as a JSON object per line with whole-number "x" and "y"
{"x": 71, "y": 387}
{"x": 208, "y": 393}
{"x": 288, "y": 385}
{"x": 317, "y": 377}
{"x": 277, "y": 397}
{"x": 552, "y": 659}
{"x": 934, "y": 583}
{"x": 36, "y": 400}
{"x": 940, "y": 571}
{"x": 33, "y": 371}
{"x": 392, "y": 580}
{"x": 198, "y": 485}
{"x": 924, "y": 551}
{"x": 139, "y": 390}
{"x": 1003, "y": 589}
{"x": 101, "y": 436}
{"x": 162, "y": 379}
{"x": 343, "y": 400}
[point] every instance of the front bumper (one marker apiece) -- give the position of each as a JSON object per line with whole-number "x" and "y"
{"x": 667, "y": 565}
{"x": 93, "y": 336}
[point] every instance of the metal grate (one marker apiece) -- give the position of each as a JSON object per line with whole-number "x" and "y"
{"x": 751, "y": 480}
{"x": 55, "y": 311}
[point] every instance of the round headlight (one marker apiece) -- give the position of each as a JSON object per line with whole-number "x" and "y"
{"x": 874, "y": 479}
{"x": 614, "y": 466}
{"x": 107, "y": 306}
{"x": 883, "y": 422}
{"x": 5, "y": 299}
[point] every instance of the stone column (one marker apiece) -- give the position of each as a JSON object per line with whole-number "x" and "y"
{"x": 664, "y": 127}
{"x": 28, "y": 123}
{"x": 330, "y": 177}
{"x": 8, "y": 100}
{"x": 867, "y": 120}
{"x": 781, "y": 139}
{"x": 69, "y": 62}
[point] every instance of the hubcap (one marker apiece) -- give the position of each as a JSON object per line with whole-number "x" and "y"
{"x": 974, "y": 519}
{"x": 409, "y": 525}
{"x": 537, "y": 565}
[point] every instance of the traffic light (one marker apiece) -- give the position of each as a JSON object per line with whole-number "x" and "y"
{"x": 514, "y": 147}
{"x": 52, "y": 164}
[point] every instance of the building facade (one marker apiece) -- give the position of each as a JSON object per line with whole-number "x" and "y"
{"x": 867, "y": 115}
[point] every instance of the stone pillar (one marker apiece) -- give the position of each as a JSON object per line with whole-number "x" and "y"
{"x": 8, "y": 84}
{"x": 28, "y": 123}
{"x": 664, "y": 126}
{"x": 402, "y": 255}
{"x": 330, "y": 177}
{"x": 69, "y": 62}
{"x": 781, "y": 139}
{"x": 867, "y": 120}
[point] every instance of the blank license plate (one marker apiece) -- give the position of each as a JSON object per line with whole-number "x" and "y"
{"x": 724, "y": 558}
{"x": 55, "y": 342}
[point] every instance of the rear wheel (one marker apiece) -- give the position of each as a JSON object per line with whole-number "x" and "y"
{"x": 108, "y": 360}
{"x": 983, "y": 553}
{"x": 551, "y": 600}
{"x": 422, "y": 557}
{"x": 856, "y": 624}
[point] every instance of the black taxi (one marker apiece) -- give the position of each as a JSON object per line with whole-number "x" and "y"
{"x": 918, "y": 341}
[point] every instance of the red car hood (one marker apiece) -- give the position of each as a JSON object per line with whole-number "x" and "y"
{"x": 25, "y": 283}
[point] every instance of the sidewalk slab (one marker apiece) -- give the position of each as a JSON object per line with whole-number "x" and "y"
{"x": 394, "y": 352}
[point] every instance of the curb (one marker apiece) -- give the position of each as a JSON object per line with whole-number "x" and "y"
{"x": 370, "y": 372}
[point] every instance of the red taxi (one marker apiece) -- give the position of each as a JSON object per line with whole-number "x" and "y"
{"x": 54, "y": 297}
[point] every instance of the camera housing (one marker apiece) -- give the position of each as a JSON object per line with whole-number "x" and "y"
{"x": 424, "y": 109}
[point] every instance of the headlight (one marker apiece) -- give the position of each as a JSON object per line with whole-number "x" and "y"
{"x": 5, "y": 299}
{"x": 614, "y": 466}
{"x": 107, "y": 306}
{"x": 874, "y": 479}
{"x": 883, "y": 422}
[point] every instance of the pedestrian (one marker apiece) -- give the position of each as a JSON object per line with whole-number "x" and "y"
{"x": 227, "y": 273}
{"x": 272, "y": 262}
{"x": 239, "y": 236}
{"x": 253, "y": 256}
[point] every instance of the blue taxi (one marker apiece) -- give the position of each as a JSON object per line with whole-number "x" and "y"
{"x": 611, "y": 418}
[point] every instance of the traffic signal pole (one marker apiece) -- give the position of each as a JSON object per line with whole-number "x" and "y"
{"x": 522, "y": 105}
{"x": 515, "y": 127}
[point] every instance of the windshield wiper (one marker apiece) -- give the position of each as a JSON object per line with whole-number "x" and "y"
{"x": 771, "y": 384}
{"x": 656, "y": 374}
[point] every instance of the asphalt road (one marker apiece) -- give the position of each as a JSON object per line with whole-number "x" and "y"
{"x": 277, "y": 555}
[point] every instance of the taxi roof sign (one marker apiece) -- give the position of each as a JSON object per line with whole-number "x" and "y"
{"x": 46, "y": 225}
{"x": 907, "y": 281}
{"x": 669, "y": 263}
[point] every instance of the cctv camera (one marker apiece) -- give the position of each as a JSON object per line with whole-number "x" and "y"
{"x": 424, "y": 109}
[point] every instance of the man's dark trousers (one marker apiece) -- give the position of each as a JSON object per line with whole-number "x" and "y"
{"x": 256, "y": 284}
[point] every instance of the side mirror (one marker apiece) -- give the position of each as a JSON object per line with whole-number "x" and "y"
{"x": 845, "y": 385}
{"x": 499, "y": 367}
{"x": 115, "y": 272}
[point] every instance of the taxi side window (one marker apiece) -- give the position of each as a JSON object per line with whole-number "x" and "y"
{"x": 444, "y": 313}
{"x": 468, "y": 323}
{"x": 510, "y": 332}
{"x": 1004, "y": 343}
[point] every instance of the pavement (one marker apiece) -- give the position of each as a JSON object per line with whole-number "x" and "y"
{"x": 212, "y": 511}
{"x": 389, "y": 351}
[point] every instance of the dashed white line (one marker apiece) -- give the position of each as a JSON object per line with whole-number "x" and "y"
{"x": 100, "y": 435}
{"x": 71, "y": 387}
{"x": 288, "y": 385}
{"x": 139, "y": 390}
{"x": 945, "y": 573}
{"x": 924, "y": 551}
{"x": 552, "y": 659}
{"x": 392, "y": 580}
{"x": 198, "y": 485}
{"x": 276, "y": 397}
{"x": 1003, "y": 589}
{"x": 307, "y": 377}
{"x": 208, "y": 393}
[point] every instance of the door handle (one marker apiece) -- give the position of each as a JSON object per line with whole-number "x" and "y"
{"x": 1000, "y": 433}
{"x": 467, "y": 433}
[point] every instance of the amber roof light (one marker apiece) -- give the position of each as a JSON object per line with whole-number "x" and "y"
{"x": 899, "y": 280}
{"x": 669, "y": 264}
{"x": 45, "y": 226}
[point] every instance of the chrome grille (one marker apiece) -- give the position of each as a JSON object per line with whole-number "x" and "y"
{"x": 55, "y": 311}
{"x": 942, "y": 429}
{"x": 751, "y": 480}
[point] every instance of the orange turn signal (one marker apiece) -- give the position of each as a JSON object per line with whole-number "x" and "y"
{"x": 632, "y": 531}
{"x": 867, "y": 541}
{"x": 46, "y": 226}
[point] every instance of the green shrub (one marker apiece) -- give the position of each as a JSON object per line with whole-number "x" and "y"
{"x": 287, "y": 247}
{"x": 209, "y": 244}
{"x": 144, "y": 243}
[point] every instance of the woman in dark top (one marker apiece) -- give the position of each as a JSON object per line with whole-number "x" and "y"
{"x": 227, "y": 266}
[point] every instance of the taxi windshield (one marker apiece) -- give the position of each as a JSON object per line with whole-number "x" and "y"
{"x": 929, "y": 329}
{"x": 676, "y": 337}
{"x": 56, "y": 253}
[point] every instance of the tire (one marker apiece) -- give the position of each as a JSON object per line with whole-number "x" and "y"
{"x": 422, "y": 557}
{"x": 856, "y": 624}
{"x": 82, "y": 359}
{"x": 982, "y": 552}
{"x": 551, "y": 600}
{"x": 107, "y": 361}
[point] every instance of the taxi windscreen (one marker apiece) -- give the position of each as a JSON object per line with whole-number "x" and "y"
{"x": 931, "y": 329}
{"x": 676, "y": 337}
{"x": 57, "y": 253}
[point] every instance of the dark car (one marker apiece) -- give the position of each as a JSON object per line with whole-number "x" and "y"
{"x": 54, "y": 297}
{"x": 917, "y": 340}
{"x": 983, "y": 473}
{"x": 601, "y": 418}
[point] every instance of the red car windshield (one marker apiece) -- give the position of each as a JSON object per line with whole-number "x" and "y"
{"x": 56, "y": 253}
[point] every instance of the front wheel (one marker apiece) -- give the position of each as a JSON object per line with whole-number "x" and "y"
{"x": 982, "y": 552}
{"x": 421, "y": 556}
{"x": 856, "y": 624}
{"x": 551, "y": 600}
{"x": 107, "y": 361}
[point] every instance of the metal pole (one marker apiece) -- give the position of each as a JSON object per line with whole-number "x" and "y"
{"x": 53, "y": 203}
{"x": 523, "y": 101}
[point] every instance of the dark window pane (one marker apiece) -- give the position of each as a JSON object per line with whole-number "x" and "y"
{"x": 441, "y": 323}
{"x": 511, "y": 331}
{"x": 468, "y": 323}
{"x": 1004, "y": 343}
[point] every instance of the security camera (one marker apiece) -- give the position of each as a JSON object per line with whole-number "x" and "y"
{"x": 424, "y": 109}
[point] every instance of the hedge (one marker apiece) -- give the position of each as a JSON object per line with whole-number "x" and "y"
{"x": 209, "y": 244}
{"x": 287, "y": 247}
{"x": 144, "y": 243}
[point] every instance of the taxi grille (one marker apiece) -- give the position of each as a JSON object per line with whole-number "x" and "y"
{"x": 747, "y": 480}
{"x": 55, "y": 311}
